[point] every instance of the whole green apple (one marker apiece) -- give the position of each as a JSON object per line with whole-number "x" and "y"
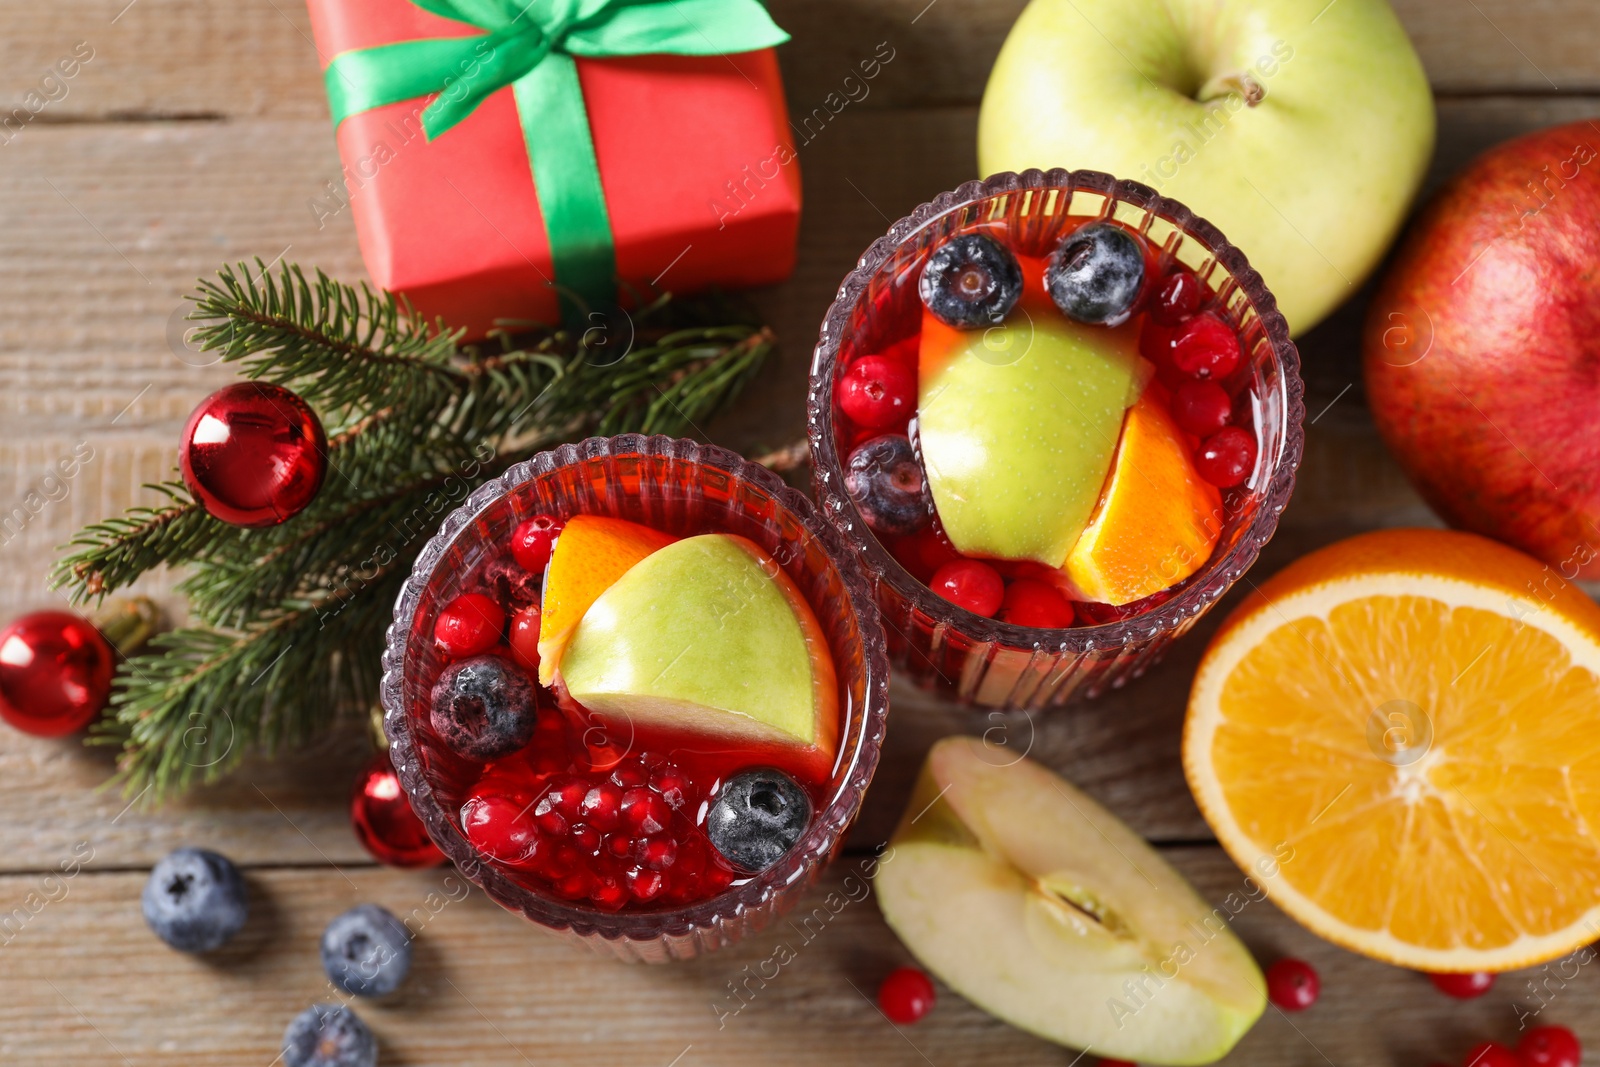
{"x": 1300, "y": 128}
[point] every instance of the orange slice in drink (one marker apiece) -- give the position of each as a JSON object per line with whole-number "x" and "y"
{"x": 1157, "y": 520}
{"x": 1399, "y": 736}
{"x": 592, "y": 552}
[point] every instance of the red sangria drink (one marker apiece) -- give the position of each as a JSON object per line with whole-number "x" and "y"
{"x": 636, "y": 689}
{"x": 1058, "y": 415}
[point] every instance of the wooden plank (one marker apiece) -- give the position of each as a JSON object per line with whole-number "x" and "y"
{"x": 86, "y": 983}
{"x": 255, "y": 58}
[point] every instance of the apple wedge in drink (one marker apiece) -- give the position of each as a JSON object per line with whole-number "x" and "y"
{"x": 1042, "y": 908}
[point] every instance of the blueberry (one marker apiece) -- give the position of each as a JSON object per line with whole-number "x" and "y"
{"x": 971, "y": 280}
{"x": 195, "y": 900}
{"x": 885, "y": 480}
{"x": 1096, "y": 273}
{"x": 483, "y": 708}
{"x": 329, "y": 1035}
{"x": 757, "y": 818}
{"x": 366, "y": 951}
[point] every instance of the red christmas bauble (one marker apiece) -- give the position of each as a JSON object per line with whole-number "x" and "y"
{"x": 381, "y": 815}
{"x": 253, "y": 454}
{"x": 55, "y": 673}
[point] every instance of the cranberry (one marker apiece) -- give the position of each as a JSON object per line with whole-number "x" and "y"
{"x": 1155, "y": 342}
{"x": 1227, "y": 457}
{"x": 969, "y": 584}
{"x": 1031, "y": 602}
{"x": 1177, "y": 298}
{"x": 1491, "y": 1054}
{"x": 500, "y": 826}
{"x": 906, "y": 995}
{"x": 645, "y": 811}
{"x": 879, "y": 393}
{"x": 1206, "y": 347}
{"x": 1463, "y": 986}
{"x": 1293, "y": 984}
{"x": 602, "y": 805}
{"x": 1549, "y": 1046}
{"x": 533, "y": 540}
{"x": 925, "y": 552}
{"x": 468, "y": 626}
{"x": 1201, "y": 408}
{"x": 525, "y": 638}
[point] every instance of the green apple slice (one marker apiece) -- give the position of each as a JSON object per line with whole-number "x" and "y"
{"x": 1018, "y": 425}
{"x": 708, "y": 636}
{"x": 1038, "y": 905}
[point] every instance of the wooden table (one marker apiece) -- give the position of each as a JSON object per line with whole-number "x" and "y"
{"x": 197, "y": 134}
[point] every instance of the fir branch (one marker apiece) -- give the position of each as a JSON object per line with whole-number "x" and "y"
{"x": 294, "y": 615}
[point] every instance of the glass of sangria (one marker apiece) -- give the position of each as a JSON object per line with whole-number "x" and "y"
{"x": 635, "y": 688}
{"x": 1057, "y": 416}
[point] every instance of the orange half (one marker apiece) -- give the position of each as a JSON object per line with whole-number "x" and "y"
{"x": 592, "y": 552}
{"x": 1157, "y": 520}
{"x": 1399, "y": 736}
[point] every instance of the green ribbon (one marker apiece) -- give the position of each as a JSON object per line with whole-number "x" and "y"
{"x": 530, "y": 47}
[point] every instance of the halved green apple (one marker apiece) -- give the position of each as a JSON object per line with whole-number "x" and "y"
{"x": 708, "y": 636}
{"x": 1039, "y": 906}
{"x": 1017, "y": 426}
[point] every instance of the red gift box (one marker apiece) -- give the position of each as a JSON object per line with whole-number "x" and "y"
{"x": 698, "y": 168}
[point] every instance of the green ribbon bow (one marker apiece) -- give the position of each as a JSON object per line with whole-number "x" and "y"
{"x": 529, "y": 46}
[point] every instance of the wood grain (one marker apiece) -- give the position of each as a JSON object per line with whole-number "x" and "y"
{"x": 196, "y": 59}
{"x": 86, "y": 983}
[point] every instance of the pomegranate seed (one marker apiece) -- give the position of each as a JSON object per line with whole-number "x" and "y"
{"x": 672, "y": 785}
{"x": 501, "y": 827}
{"x": 1205, "y": 347}
{"x": 525, "y": 638}
{"x": 1201, "y": 408}
{"x": 587, "y": 839}
{"x": 717, "y": 878}
{"x": 645, "y": 885}
{"x": 573, "y": 886}
{"x": 1491, "y": 1054}
{"x": 878, "y": 393}
{"x": 905, "y": 996}
{"x": 551, "y": 822}
{"x": 657, "y": 853}
{"x": 1227, "y": 457}
{"x": 970, "y": 584}
{"x": 1549, "y": 1046}
{"x": 645, "y": 811}
{"x": 630, "y": 772}
{"x": 602, "y": 805}
{"x": 1031, "y": 602}
{"x": 533, "y": 540}
{"x": 468, "y": 625}
{"x": 621, "y": 846}
{"x": 609, "y": 892}
{"x": 568, "y": 796}
{"x": 1293, "y": 985}
{"x": 1177, "y": 298}
{"x": 1463, "y": 986}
